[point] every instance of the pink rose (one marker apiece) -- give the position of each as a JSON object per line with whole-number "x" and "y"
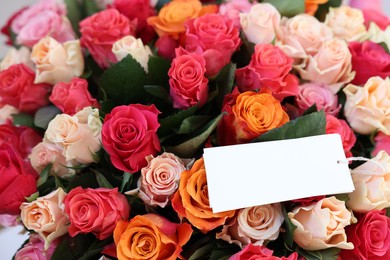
{"x": 378, "y": 17}
{"x": 6, "y": 112}
{"x": 340, "y": 126}
{"x": 231, "y": 9}
{"x": 215, "y": 38}
{"x": 362, "y": 4}
{"x": 252, "y": 252}
{"x": 100, "y": 31}
{"x": 34, "y": 249}
{"x": 95, "y": 211}
{"x": 129, "y": 135}
{"x": 382, "y": 142}
{"x": 166, "y": 46}
{"x": 7, "y": 220}
{"x": 73, "y": 96}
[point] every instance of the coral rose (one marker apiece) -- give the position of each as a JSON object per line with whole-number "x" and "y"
{"x": 339, "y": 126}
{"x": 382, "y": 142}
{"x": 191, "y": 201}
{"x": 253, "y": 252}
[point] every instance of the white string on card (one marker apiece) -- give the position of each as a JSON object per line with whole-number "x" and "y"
{"x": 358, "y": 171}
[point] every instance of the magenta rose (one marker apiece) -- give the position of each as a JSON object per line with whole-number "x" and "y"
{"x": 166, "y": 46}
{"x": 95, "y": 211}
{"x": 370, "y": 237}
{"x": 341, "y": 127}
{"x": 368, "y": 60}
{"x": 378, "y": 17}
{"x": 35, "y": 250}
{"x": 252, "y": 252}
{"x": 100, "y": 31}
{"x": 71, "y": 97}
{"x": 129, "y": 135}
{"x": 382, "y": 142}
{"x": 269, "y": 68}
{"x": 17, "y": 89}
{"x": 214, "y": 37}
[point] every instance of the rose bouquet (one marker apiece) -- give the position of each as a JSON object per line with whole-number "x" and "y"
{"x": 106, "y": 106}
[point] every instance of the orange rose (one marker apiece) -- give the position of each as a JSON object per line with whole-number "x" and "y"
{"x": 171, "y": 18}
{"x": 191, "y": 200}
{"x": 150, "y": 236}
{"x": 311, "y": 6}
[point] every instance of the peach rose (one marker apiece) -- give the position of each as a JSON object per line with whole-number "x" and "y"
{"x": 311, "y": 6}
{"x": 191, "y": 200}
{"x": 16, "y": 56}
{"x": 367, "y": 108}
{"x": 6, "y": 113}
{"x": 254, "y": 225}
{"x": 46, "y": 216}
{"x": 372, "y": 188}
{"x": 331, "y": 65}
{"x": 260, "y": 24}
{"x": 56, "y": 62}
{"x": 150, "y": 236}
{"x": 347, "y": 23}
{"x": 321, "y": 224}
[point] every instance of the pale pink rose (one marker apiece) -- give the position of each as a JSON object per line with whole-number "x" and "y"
{"x": 254, "y": 225}
{"x": 34, "y": 249}
{"x": 347, "y": 23}
{"x": 364, "y": 4}
{"x": 6, "y": 113}
{"x": 382, "y": 142}
{"x": 372, "y": 187}
{"x": 46, "y": 216}
{"x": 231, "y": 9}
{"x": 7, "y": 220}
{"x": 16, "y": 56}
{"x": 367, "y": 108}
{"x": 320, "y": 95}
{"x": 331, "y": 65}
{"x": 260, "y": 24}
{"x": 320, "y": 225}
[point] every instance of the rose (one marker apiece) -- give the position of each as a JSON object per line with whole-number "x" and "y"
{"x": 311, "y": 6}
{"x": 320, "y": 95}
{"x": 255, "y": 225}
{"x": 15, "y": 56}
{"x": 260, "y": 23}
{"x": 368, "y": 60}
{"x": 95, "y": 211}
{"x": 130, "y": 45}
{"x": 57, "y": 62}
{"x": 34, "y": 250}
{"x": 376, "y": 35}
{"x": 129, "y": 134}
{"x": 372, "y": 5}
{"x": 331, "y": 65}
{"x": 7, "y": 220}
{"x": 367, "y": 107}
{"x": 321, "y": 224}
{"x": 347, "y": 23}
{"x": 100, "y": 31}
{"x": 17, "y": 89}
{"x": 150, "y": 236}
{"x": 188, "y": 85}
{"x": 46, "y": 216}
{"x": 269, "y": 68}
{"x": 6, "y": 113}
{"x": 308, "y": 200}
{"x": 370, "y": 236}
{"x": 249, "y": 115}
{"x": 231, "y": 9}
{"x": 6, "y": 29}
{"x": 17, "y": 180}
{"x": 73, "y": 96}
{"x": 372, "y": 190}
{"x": 339, "y": 126}
{"x": 166, "y": 46}
{"x": 377, "y": 17}
{"x": 191, "y": 200}
{"x": 215, "y": 38}
{"x": 253, "y": 252}
{"x": 382, "y": 142}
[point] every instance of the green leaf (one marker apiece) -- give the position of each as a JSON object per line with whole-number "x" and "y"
{"x": 73, "y": 248}
{"x": 172, "y": 122}
{"x": 74, "y": 14}
{"x": 343, "y": 197}
{"x": 102, "y": 181}
{"x": 127, "y": 177}
{"x": 324, "y": 9}
{"x": 95, "y": 249}
{"x": 290, "y": 228}
{"x": 44, "y": 115}
{"x": 158, "y": 71}
{"x": 202, "y": 252}
{"x": 85, "y": 180}
{"x": 225, "y": 82}
{"x": 58, "y": 182}
{"x": 384, "y": 46}
{"x": 310, "y": 110}
{"x": 326, "y": 254}
{"x": 308, "y": 125}
{"x": 159, "y": 92}
{"x": 23, "y": 119}
{"x": 32, "y": 197}
{"x": 388, "y": 212}
{"x": 44, "y": 175}
{"x": 288, "y": 8}
{"x": 90, "y": 7}
{"x": 190, "y": 124}
{"x": 224, "y": 253}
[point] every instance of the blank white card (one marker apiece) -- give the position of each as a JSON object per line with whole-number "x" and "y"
{"x": 246, "y": 175}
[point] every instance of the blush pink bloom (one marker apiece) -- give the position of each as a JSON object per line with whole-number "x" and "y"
{"x": 34, "y": 249}
{"x": 382, "y": 142}
{"x": 231, "y": 9}
{"x": 8, "y": 220}
{"x": 340, "y": 126}
{"x": 363, "y": 4}
{"x": 253, "y": 252}
{"x": 377, "y": 17}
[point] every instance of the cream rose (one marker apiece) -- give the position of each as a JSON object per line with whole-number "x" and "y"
{"x": 133, "y": 46}
{"x": 16, "y": 56}
{"x": 347, "y": 23}
{"x": 56, "y": 62}
{"x": 367, "y": 108}
{"x": 6, "y": 113}
{"x": 372, "y": 186}
{"x": 254, "y": 225}
{"x": 46, "y": 216}
{"x": 321, "y": 224}
{"x": 259, "y": 25}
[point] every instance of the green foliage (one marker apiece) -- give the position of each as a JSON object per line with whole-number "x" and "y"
{"x": 44, "y": 175}
{"x": 326, "y": 254}
{"x": 290, "y": 228}
{"x": 288, "y": 8}
{"x": 32, "y": 197}
{"x": 23, "y": 119}
{"x": 74, "y": 14}
{"x": 172, "y": 122}
{"x": 225, "y": 82}
{"x": 158, "y": 71}
{"x": 324, "y": 9}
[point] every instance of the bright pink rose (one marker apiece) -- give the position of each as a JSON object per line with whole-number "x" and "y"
{"x": 269, "y": 68}
{"x": 100, "y": 31}
{"x": 17, "y": 89}
{"x": 370, "y": 236}
{"x": 34, "y": 249}
{"x": 378, "y": 17}
{"x": 231, "y": 9}
{"x": 95, "y": 211}
{"x": 166, "y": 46}
{"x": 129, "y": 135}
{"x": 71, "y": 97}
{"x": 341, "y": 127}
{"x": 252, "y": 252}
{"x": 17, "y": 180}
{"x": 215, "y": 38}
{"x": 382, "y": 142}
{"x": 6, "y": 29}
{"x": 369, "y": 59}
{"x": 188, "y": 85}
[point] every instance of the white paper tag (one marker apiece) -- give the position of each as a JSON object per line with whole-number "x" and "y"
{"x": 247, "y": 175}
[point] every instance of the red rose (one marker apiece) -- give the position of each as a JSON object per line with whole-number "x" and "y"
{"x": 100, "y": 31}
{"x": 308, "y": 200}
{"x": 269, "y": 68}
{"x": 188, "y": 85}
{"x": 369, "y": 59}
{"x": 95, "y": 211}
{"x": 71, "y": 97}
{"x": 215, "y": 38}
{"x": 370, "y": 237}
{"x": 129, "y": 134}
{"x": 252, "y": 252}
{"x": 17, "y": 89}
{"x": 17, "y": 180}
{"x": 339, "y": 126}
